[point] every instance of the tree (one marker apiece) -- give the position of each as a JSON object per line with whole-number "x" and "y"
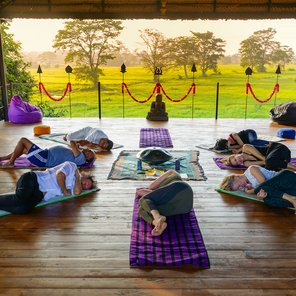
{"x": 47, "y": 59}
{"x": 181, "y": 51}
{"x": 261, "y": 49}
{"x": 282, "y": 55}
{"x": 155, "y": 53}
{"x": 16, "y": 68}
{"x": 208, "y": 50}
{"x": 89, "y": 44}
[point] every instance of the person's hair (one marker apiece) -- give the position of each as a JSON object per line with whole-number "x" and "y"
{"x": 227, "y": 182}
{"x": 89, "y": 160}
{"x": 221, "y": 144}
{"x": 110, "y": 144}
{"x": 227, "y": 160}
{"x": 91, "y": 178}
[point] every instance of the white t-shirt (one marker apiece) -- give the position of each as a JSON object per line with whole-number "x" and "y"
{"x": 266, "y": 173}
{"x": 47, "y": 179}
{"x": 93, "y": 135}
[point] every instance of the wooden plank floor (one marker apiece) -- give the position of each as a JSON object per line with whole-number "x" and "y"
{"x": 81, "y": 246}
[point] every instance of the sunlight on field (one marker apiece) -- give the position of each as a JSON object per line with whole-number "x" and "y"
{"x": 233, "y": 102}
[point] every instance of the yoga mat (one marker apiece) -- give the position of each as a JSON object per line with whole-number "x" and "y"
{"x": 181, "y": 242}
{"x": 261, "y": 141}
{"x": 56, "y": 199}
{"x": 59, "y": 138}
{"x": 125, "y": 167}
{"x": 23, "y": 163}
{"x": 239, "y": 193}
{"x": 155, "y": 137}
{"x": 209, "y": 148}
{"x": 223, "y": 166}
{"x": 270, "y": 138}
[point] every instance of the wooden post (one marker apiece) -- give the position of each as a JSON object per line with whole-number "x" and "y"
{"x": 99, "y": 99}
{"x": 217, "y": 101}
{"x": 3, "y": 78}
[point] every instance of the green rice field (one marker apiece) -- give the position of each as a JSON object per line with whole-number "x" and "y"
{"x": 233, "y": 101}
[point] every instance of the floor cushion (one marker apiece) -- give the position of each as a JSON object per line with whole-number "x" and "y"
{"x": 23, "y": 112}
{"x": 288, "y": 133}
{"x": 41, "y": 130}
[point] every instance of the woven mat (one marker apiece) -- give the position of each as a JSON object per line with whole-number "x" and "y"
{"x": 181, "y": 243}
{"x": 125, "y": 167}
{"x": 155, "y": 137}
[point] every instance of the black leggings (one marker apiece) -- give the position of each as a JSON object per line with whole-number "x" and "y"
{"x": 27, "y": 195}
{"x": 283, "y": 182}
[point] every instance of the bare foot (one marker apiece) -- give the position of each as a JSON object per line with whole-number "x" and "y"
{"x": 157, "y": 232}
{"x": 160, "y": 226}
{"x": 7, "y": 164}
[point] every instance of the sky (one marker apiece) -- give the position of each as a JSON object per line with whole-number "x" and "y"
{"x": 38, "y": 35}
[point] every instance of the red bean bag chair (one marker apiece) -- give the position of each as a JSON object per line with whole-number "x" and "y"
{"x": 23, "y": 112}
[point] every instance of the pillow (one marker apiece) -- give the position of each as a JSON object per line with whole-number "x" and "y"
{"x": 287, "y": 133}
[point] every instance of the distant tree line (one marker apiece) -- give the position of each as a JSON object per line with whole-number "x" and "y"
{"x": 90, "y": 44}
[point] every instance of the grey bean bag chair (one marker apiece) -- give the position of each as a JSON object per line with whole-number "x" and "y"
{"x": 284, "y": 113}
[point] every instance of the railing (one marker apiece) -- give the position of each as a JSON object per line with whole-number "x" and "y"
{"x": 210, "y": 101}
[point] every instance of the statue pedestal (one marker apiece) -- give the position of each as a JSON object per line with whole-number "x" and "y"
{"x": 157, "y": 116}
{"x": 157, "y": 110}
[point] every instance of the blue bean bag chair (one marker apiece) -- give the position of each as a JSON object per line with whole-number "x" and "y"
{"x": 23, "y": 112}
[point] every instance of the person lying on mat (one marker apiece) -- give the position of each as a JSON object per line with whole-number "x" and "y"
{"x": 235, "y": 141}
{"x": 48, "y": 157}
{"x": 36, "y": 186}
{"x": 274, "y": 157}
{"x": 276, "y": 189}
{"x": 168, "y": 195}
{"x": 93, "y": 138}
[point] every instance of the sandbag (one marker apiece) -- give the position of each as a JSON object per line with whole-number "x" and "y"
{"x": 23, "y": 112}
{"x": 284, "y": 113}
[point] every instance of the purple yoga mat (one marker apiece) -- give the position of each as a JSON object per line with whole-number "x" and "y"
{"x": 23, "y": 163}
{"x": 223, "y": 166}
{"x": 155, "y": 137}
{"x": 181, "y": 243}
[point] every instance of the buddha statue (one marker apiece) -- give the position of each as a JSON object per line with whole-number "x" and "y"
{"x": 157, "y": 110}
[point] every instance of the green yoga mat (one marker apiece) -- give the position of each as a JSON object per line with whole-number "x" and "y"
{"x": 56, "y": 199}
{"x": 242, "y": 194}
{"x": 59, "y": 138}
{"x": 209, "y": 147}
{"x": 125, "y": 167}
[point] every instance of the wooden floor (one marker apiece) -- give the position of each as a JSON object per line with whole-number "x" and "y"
{"x": 81, "y": 246}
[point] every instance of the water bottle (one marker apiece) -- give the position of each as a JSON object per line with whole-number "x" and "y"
{"x": 177, "y": 165}
{"x": 139, "y": 165}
